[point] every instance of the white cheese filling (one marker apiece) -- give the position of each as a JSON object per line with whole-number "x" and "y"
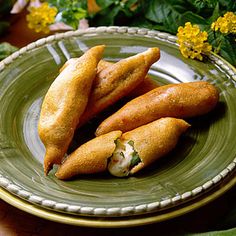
{"x": 120, "y": 161}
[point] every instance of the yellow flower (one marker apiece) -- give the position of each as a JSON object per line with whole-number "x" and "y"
{"x": 41, "y": 17}
{"x": 192, "y": 41}
{"x": 225, "y": 24}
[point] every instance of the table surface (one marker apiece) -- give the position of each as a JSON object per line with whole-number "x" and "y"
{"x": 217, "y": 215}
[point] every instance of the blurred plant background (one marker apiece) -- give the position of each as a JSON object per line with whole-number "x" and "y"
{"x": 211, "y": 24}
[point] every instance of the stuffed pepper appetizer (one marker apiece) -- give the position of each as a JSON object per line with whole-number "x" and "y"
{"x": 64, "y": 103}
{"x": 174, "y": 100}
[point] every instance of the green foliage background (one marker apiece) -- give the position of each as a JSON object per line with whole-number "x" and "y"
{"x": 5, "y": 7}
{"x": 163, "y": 15}
{"x": 168, "y": 16}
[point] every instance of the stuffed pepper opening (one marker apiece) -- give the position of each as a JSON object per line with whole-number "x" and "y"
{"x": 123, "y": 159}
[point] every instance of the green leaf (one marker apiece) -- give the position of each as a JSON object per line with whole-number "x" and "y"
{"x": 193, "y": 18}
{"x": 6, "y": 50}
{"x": 68, "y": 4}
{"x": 115, "y": 13}
{"x": 231, "y": 6}
{"x": 228, "y": 5}
{"x": 225, "y": 46}
{"x": 72, "y": 16}
{"x": 214, "y": 38}
{"x": 158, "y": 10}
{"x": 80, "y": 4}
{"x": 79, "y": 13}
{"x": 106, "y": 16}
{"x": 70, "y": 11}
{"x": 110, "y": 18}
{"x": 5, "y": 7}
{"x": 59, "y": 4}
{"x": 162, "y": 28}
{"x": 215, "y": 14}
{"x": 228, "y": 49}
{"x": 130, "y": 3}
{"x": 3, "y": 26}
{"x": 166, "y": 13}
{"x": 105, "y": 3}
{"x": 200, "y": 4}
{"x": 142, "y": 22}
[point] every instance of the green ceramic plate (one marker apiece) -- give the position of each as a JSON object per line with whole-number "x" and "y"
{"x": 203, "y": 160}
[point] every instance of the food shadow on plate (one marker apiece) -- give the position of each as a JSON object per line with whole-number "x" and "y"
{"x": 203, "y": 122}
{"x": 87, "y": 131}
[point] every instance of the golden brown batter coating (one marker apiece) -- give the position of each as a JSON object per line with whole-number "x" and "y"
{"x": 142, "y": 86}
{"x": 64, "y": 103}
{"x": 145, "y": 86}
{"x": 117, "y": 80}
{"x": 102, "y": 65}
{"x": 155, "y": 139}
{"x": 174, "y": 100}
{"x": 90, "y": 157}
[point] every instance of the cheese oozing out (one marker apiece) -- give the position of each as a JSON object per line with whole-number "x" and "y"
{"x": 123, "y": 159}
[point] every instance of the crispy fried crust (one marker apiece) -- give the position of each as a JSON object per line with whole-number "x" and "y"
{"x": 174, "y": 100}
{"x": 90, "y": 157}
{"x": 155, "y": 139}
{"x": 145, "y": 86}
{"x": 141, "y": 87}
{"x": 117, "y": 80}
{"x": 64, "y": 103}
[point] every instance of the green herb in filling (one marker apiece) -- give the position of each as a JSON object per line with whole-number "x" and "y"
{"x": 135, "y": 160}
{"x": 131, "y": 143}
{"x": 122, "y": 154}
{"x": 135, "y": 157}
{"x": 119, "y": 144}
